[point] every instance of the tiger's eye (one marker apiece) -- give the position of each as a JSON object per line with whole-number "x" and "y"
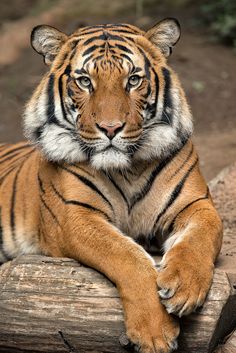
{"x": 134, "y": 80}
{"x": 84, "y": 82}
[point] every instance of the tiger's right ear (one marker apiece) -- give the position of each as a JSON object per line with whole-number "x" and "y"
{"x": 47, "y": 41}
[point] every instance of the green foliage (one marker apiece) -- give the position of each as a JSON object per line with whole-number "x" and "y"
{"x": 220, "y": 15}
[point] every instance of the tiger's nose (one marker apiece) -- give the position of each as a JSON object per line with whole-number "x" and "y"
{"x": 110, "y": 129}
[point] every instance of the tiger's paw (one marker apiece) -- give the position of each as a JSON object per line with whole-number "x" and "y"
{"x": 151, "y": 334}
{"x": 184, "y": 280}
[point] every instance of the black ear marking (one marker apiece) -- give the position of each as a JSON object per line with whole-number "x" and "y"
{"x": 47, "y": 41}
{"x": 165, "y": 34}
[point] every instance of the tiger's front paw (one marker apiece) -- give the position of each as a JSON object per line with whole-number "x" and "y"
{"x": 184, "y": 280}
{"x": 150, "y": 329}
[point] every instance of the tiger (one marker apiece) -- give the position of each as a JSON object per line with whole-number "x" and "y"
{"x": 108, "y": 171}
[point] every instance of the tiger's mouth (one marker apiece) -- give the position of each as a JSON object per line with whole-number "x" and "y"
{"x": 113, "y": 148}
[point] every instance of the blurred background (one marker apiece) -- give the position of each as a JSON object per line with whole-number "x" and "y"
{"x": 204, "y": 58}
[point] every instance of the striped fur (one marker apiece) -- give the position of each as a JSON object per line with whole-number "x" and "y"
{"x": 102, "y": 199}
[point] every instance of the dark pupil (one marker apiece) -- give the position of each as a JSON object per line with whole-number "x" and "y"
{"x": 85, "y": 81}
{"x": 134, "y": 80}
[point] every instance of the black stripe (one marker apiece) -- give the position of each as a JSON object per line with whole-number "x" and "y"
{"x": 113, "y": 28}
{"x": 49, "y": 210}
{"x": 41, "y": 185}
{"x": 156, "y": 171}
{"x": 13, "y": 198}
{"x": 38, "y": 132}
{"x": 123, "y": 175}
{"x": 82, "y": 30}
{"x": 92, "y": 49}
{"x": 2, "y": 178}
{"x": 67, "y": 70}
{"x": 108, "y": 26}
{"x": 51, "y": 104}
{"x": 157, "y": 90}
{"x": 123, "y": 31}
{"x": 74, "y": 42}
{"x": 147, "y": 64}
{"x": 123, "y": 48}
{"x": 62, "y": 61}
{"x": 182, "y": 164}
{"x": 11, "y": 157}
{"x": 167, "y": 101}
{"x": 104, "y": 36}
{"x": 80, "y": 71}
{"x": 51, "y": 118}
{"x": 14, "y": 150}
{"x": 122, "y": 25}
{"x": 13, "y": 201}
{"x": 175, "y": 193}
{"x": 119, "y": 38}
{"x": 88, "y": 183}
{"x": 171, "y": 226}
{"x": 118, "y": 188}
{"x": 89, "y": 58}
{"x": 89, "y": 32}
{"x": 127, "y": 58}
{"x": 83, "y": 170}
{"x": 78, "y": 203}
{"x": 151, "y": 108}
{"x": 13, "y": 167}
{"x": 60, "y": 89}
{"x": 40, "y": 231}
{"x": 7, "y": 257}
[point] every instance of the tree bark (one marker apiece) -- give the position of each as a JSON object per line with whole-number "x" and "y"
{"x": 56, "y": 305}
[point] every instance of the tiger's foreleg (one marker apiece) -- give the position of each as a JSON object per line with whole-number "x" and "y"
{"x": 186, "y": 269}
{"x": 97, "y": 243}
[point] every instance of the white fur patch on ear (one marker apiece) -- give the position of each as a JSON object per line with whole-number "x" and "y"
{"x": 47, "y": 41}
{"x": 165, "y": 34}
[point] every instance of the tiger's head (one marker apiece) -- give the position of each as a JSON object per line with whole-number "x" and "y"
{"x": 110, "y": 97}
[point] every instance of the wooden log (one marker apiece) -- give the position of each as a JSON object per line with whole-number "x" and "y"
{"x": 229, "y": 345}
{"x": 56, "y": 305}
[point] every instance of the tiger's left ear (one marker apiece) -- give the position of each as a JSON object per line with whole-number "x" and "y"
{"x": 47, "y": 41}
{"x": 165, "y": 34}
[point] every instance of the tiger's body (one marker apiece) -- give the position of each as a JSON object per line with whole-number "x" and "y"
{"x": 112, "y": 167}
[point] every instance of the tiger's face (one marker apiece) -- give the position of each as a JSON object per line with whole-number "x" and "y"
{"x": 110, "y": 97}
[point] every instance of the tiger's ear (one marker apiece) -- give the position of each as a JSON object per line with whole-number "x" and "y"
{"x": 47, "y": 41}
{"x": 165, "y": 34}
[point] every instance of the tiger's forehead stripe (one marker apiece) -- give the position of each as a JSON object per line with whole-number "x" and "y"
{"x": 104, "y": 36}
{"x": 118, "y": 27}
{"x": 96, "y": 31}
{"x": 110, "y": 35}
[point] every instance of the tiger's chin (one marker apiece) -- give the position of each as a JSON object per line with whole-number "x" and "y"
{"x": 110, "y": 160}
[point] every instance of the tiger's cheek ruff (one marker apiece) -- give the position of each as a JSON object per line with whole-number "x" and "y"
{"x": 171, "y": 126}
{"x": 45, "y": 125}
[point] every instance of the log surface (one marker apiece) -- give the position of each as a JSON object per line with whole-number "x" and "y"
{"x": 56, "y": 305}
{"x": 229, "y": 346}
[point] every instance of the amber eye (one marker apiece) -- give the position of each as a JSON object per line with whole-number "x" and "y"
{"x": 134, "y": 80}
{"x": 84, "y": 82}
